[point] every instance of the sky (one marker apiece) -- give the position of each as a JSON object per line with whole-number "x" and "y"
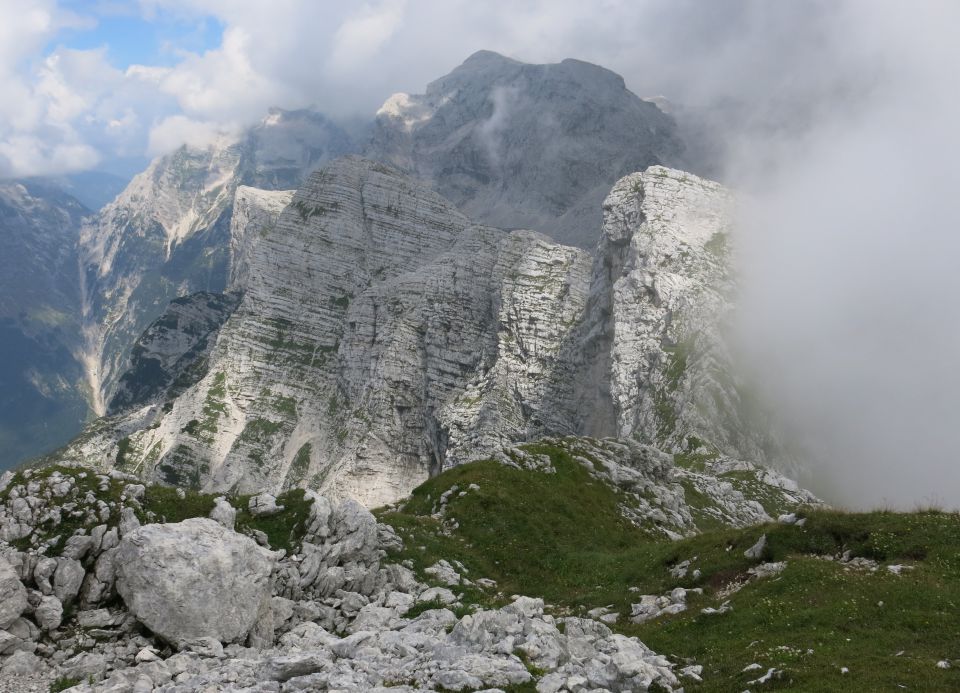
{"x": 835, "y": 120}
{"x": 105, "y": 83}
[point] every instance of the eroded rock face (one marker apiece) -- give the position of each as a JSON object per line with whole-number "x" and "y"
{"x": 193, "y": 579}
{"x": 382, "y": 337}
{"x": 168, "y": 233}
{"x": 13, "y": 595}
{"x": 526, "y": 146}
{"x": 397, "y": 339}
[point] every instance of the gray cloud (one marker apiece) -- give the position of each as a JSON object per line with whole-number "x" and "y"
{"x": 849, "y": 241}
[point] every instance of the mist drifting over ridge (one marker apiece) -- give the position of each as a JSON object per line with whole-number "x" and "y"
{"x": 849, "y": 245}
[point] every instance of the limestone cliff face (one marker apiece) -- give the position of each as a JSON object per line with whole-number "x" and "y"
{"x": 516, "y": 145}
{"x": 381, "y": 336}
{"x": 655, "y": 366}
{"x": 168, "y": 233}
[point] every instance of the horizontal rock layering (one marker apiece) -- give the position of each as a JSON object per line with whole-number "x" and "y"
{"x": 381, "y": 337}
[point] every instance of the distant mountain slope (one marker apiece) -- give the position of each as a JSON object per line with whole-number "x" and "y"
{"x": 42, "y": 402}
{"x": 168, "y": 233}
{"x": 95, "y": 189}
{"x": 516, "y": 145}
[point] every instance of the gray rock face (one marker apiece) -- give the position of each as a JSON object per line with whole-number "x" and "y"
{"x": 171, "y": 353}
{"x": 49, "y": 613}
{"x": 168, "y": 233}
{"x": 400, "y": 339}
{"x": 525, "y": 146}
{"x": 13, "y": 595}
{"x": 193, "y": 579}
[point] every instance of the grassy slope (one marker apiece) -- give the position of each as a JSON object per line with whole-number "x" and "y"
{"x": 560, "y": 537}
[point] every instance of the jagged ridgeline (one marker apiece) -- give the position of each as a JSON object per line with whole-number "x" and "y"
{"x": 372, "y": 336}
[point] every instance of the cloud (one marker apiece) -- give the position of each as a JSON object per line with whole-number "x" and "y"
{"x": 177, "y": 130}
{"x": 363, "y": 34}
{"x": 758, "y": 58}
{"x": 849, "y": 246}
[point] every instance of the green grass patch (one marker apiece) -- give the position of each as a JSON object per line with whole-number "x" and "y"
{"x": 167, "y": 505}
{"x": 63, "y": 683}
{"x": 285, "y": 529}
{"x": 560, "y": 537}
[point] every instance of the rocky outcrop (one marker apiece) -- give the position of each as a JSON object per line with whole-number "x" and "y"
{"x": 516, "y": 145}
{"x": 671, "y": 495}
{"x": 13, "y": 595}
{"x": 193, "y": 579}
{"x": 168, "y": 233}
{"x": 328, "y": 613}
{"x": 653, "y": 358}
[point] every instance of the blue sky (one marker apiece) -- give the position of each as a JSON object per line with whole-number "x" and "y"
{"x": 133, "y": 38}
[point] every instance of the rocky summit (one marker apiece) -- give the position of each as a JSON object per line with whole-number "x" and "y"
{"x": 526, "y": 146}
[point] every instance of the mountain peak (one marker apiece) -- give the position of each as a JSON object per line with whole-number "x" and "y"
{"x": 488, "y": 57}
{"x": 520, "y": 145}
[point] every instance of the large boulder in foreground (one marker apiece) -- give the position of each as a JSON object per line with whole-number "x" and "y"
{"x": 193, "y": 579}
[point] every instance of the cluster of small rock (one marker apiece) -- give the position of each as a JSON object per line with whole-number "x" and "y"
{"x": 196, "y": 605}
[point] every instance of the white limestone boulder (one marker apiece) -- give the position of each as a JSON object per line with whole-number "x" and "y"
{"x": 13, "y": 595}
{"x": 193, "y": 579}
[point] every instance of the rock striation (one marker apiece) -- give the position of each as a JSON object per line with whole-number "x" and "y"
{"x": 527, "y": 146}
{"x": 168, "y": 233}
{"x": 380, "y": 336}
{"x": 377, "y": 336}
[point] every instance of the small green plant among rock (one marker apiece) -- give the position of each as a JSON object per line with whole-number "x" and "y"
{"x": 63, "y": 683}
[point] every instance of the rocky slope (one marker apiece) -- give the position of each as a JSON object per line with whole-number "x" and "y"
{"x": 128, "y": 603}
{"x": 382, "y": 337}
{"x": 42, "y": 393}
{"x": 107, "y": 584}
{"x": 380, "y": 334}
{"x": 168, "y": 233}
{"x": 516, "y": 145}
